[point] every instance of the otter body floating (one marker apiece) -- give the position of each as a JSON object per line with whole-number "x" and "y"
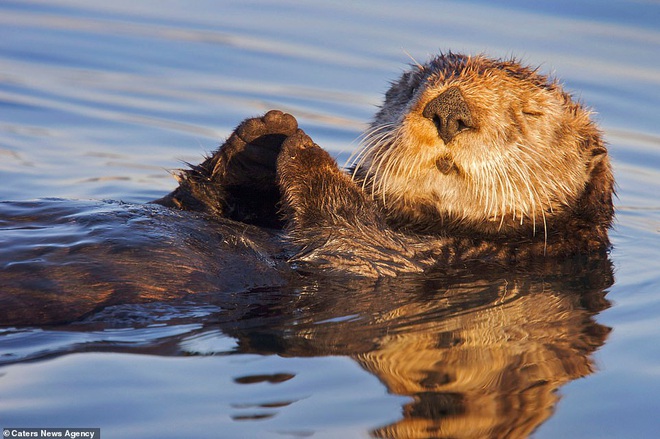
{"x": 468, "y": 159}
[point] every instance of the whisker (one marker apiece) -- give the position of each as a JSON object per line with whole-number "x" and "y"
{"x": 373, "y": 144}
{"x": 368, "y": 140}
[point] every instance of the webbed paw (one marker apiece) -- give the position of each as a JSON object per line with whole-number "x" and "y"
{"x": 239, "y": 180}
{"x": 249, "y": 155}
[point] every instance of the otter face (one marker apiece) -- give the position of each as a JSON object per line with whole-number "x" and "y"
{"x": 472, "y": 144}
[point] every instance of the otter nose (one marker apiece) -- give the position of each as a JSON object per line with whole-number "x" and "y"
{"x": 449, "y": 113}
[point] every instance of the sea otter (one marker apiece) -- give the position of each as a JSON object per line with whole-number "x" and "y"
{"x": 468, "y": 159}
{"x": 470, "y": 164}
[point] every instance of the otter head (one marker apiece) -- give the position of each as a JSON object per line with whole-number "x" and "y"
{"x": 481, "y": 147}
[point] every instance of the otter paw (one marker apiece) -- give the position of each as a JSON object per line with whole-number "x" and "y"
{"x": 301, "y": 155}
{"x": 316, "y": 194}
{"x": 273, "y": 123}
{"x": 248, "y": 157}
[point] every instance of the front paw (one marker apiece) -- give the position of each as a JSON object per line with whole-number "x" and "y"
{"x": 330, "y": 222}
{"x": 249, "y": 155}
{"x": 239, "y": 180}
{"x": 315, "y": 192}
{"x": 264, "y": 130}
{"x": 303, "y": 160}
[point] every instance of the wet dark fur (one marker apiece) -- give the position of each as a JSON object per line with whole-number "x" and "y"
{"x": 270, "y": 173}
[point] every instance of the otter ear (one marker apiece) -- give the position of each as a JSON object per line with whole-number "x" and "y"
{"x": 596, "y": 201}
{"x": 594, "y": 150}
{"x": 596, "y": 156}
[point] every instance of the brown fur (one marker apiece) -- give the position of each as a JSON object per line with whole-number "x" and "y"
{"x": 468, "y": 159}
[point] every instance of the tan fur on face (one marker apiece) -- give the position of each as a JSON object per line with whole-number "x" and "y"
{"x": 525, "y": 162}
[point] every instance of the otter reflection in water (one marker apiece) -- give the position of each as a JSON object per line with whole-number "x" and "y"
{"x": 481, "y": 356}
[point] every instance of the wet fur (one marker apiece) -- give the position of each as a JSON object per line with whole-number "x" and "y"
{"x": 529, "y": 181}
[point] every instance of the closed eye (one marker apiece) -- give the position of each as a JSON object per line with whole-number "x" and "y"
{"x": 533, "y": 113}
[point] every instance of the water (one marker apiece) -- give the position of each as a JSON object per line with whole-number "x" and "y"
{"x": 99, "y": 99}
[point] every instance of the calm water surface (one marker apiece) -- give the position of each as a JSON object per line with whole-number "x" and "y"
{"x": 98, "y": 100}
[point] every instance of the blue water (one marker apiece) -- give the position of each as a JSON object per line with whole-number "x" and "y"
{"x": 99, "y": 100}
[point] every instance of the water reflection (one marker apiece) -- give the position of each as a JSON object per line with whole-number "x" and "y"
{"x": 491, "y": 372}
{"x": 480, "y": 355}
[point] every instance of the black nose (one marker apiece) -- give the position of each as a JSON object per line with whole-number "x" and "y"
{"x": 449, "y": 113}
